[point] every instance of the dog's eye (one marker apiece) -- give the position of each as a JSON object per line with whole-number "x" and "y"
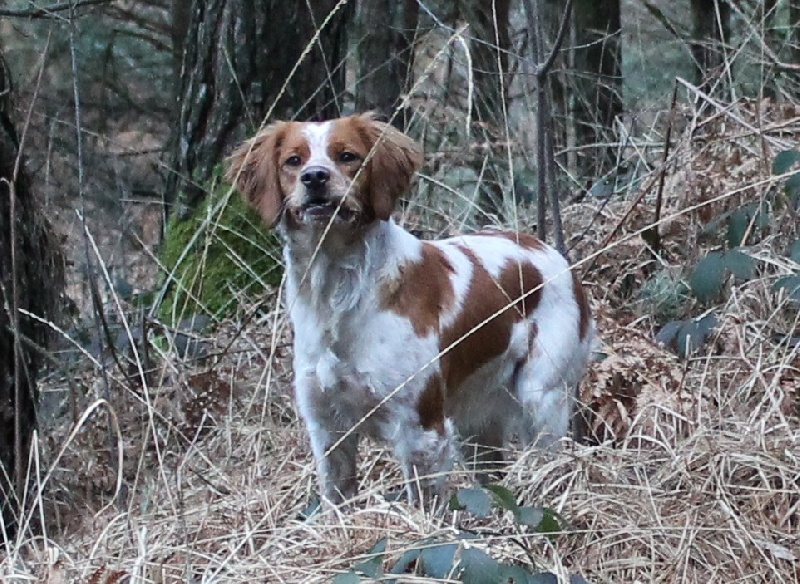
{"x": 293, "y": 161}
{"x": 347, "y": 156}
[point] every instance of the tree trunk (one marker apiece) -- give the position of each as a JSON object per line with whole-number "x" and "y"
{"x": 239, "y": 67}
{"x": 598, "y": 82}
{"x": 180, "y": 15}
{"x": 385, "y": 33}
{"x": 489, "y": 27}
{"x": 31, "y": 279}
{"x": 710, "y": 33}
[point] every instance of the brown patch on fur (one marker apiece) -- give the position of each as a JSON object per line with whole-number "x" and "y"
{"x": 422, "y": 290}
{"x": 525, "y": 240}
{"x": 583, "y": 305}
{"x": 431, "y": 405}
{"x": 485, "y": 297}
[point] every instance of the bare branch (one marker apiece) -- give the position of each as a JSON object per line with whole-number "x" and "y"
{"x": 544, "y": 68}
{"x": 49, "y": 11}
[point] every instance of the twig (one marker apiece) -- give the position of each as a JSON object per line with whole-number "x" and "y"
{"x": 544, "y": 147}
{"x": 49, "y": 11}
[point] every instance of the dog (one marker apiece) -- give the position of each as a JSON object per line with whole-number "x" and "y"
{"x": 482, "y": 337}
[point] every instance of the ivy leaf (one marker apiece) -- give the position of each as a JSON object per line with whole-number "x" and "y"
{"x": 784, "y": 161}
{"x": 669, "y": 332}
{"x": 478, "y": 567}
{"x": 792, "y": 286}
{"x": 550, "y": 523}
{"x": 406, "y": 561}
{"x": 543, "y": 578}
{"x": 437, "y": 561}
{"x": 503, "y": 497}
{"x": 740, "y": 264}
{"x": 794, "y": 251}
{"x": 792, "y": 188}
{"x": 347, "y": 578}
{"x": 475, "y": 501}
{"x": 530, "y": 516}
{"x": 516, "y": 575}
{"x": 708, "y": 276}
{"x": 694, "y": 334}
{"x": 373, "y": 567}
{"x": 737, "y": 227}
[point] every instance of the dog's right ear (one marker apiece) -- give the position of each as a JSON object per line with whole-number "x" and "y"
{"x": 252, "y": 169}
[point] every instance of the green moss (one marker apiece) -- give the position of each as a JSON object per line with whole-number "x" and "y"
{"x": 217, "y": 255}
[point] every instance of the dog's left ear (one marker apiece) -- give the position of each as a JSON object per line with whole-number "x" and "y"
{"x": 395, "y": 159}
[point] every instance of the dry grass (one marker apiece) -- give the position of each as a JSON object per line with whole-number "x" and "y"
{"x": 698, "y": 479}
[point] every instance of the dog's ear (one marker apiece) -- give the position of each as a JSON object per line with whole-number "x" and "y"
{"x": 253, "y": 171}
{"x": 394, "y": 160}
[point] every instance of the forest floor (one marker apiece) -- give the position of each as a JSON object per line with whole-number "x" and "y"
{"x": 203, "y": 473}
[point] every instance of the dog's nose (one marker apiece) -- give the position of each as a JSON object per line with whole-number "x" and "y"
{"x": 315, "y": 177}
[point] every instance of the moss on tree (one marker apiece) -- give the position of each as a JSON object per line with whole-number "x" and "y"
{"x": 216, "y": 255}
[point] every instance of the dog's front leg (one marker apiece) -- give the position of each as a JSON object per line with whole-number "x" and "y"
{"x": 334, "y": 452}
{"x": 336, "y": 460}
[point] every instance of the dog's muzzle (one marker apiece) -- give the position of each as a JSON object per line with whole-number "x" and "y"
{"x": 318, "y": 204}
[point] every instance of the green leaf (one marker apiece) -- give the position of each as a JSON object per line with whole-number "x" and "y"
{"x": 792, "y": 187}
{"x": 530, "y": 516}
{"x": 708, "y": 276}
{"x": 403, "y": 565}
{"x": 373, "y": 567}
{"x": 784, "y": 161}
{"x": 543, "y": 578}
{"x": 504, "y": 498}
{"x": 478, "y": 567}
{"x": 475, "y": 501}
{"x": 794, "y": 252}
{"x": 437, "y": 561}
{"x": 737, "y": 227}
{"x": 694, "y": 334}
{"x": 347, "y": 578}
{"x": 550, "y": 523}
{"x": 669, "y": 332}
{"x": 515, "y": 575}
{"x": 792, "y": 286}
{"x": 740, "y": 264}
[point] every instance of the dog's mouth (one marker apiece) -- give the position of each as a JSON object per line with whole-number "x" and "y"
{"x": 323, "y": 212}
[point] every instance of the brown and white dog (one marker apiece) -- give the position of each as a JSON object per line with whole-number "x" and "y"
{"x": 411, "y": 342}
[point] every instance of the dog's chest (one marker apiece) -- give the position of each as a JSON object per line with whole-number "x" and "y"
{"x": 361, "y": 362}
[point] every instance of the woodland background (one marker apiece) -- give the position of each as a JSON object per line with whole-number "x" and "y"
{"x": 148, "y": 432}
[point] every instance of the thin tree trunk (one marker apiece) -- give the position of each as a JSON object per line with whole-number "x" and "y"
{"x": 598, "y": 83}
{"x": 710, "y": 33}
{"x": 385, "y": 34}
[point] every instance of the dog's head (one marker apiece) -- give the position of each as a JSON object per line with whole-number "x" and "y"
{"x": 345, "y": 172}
